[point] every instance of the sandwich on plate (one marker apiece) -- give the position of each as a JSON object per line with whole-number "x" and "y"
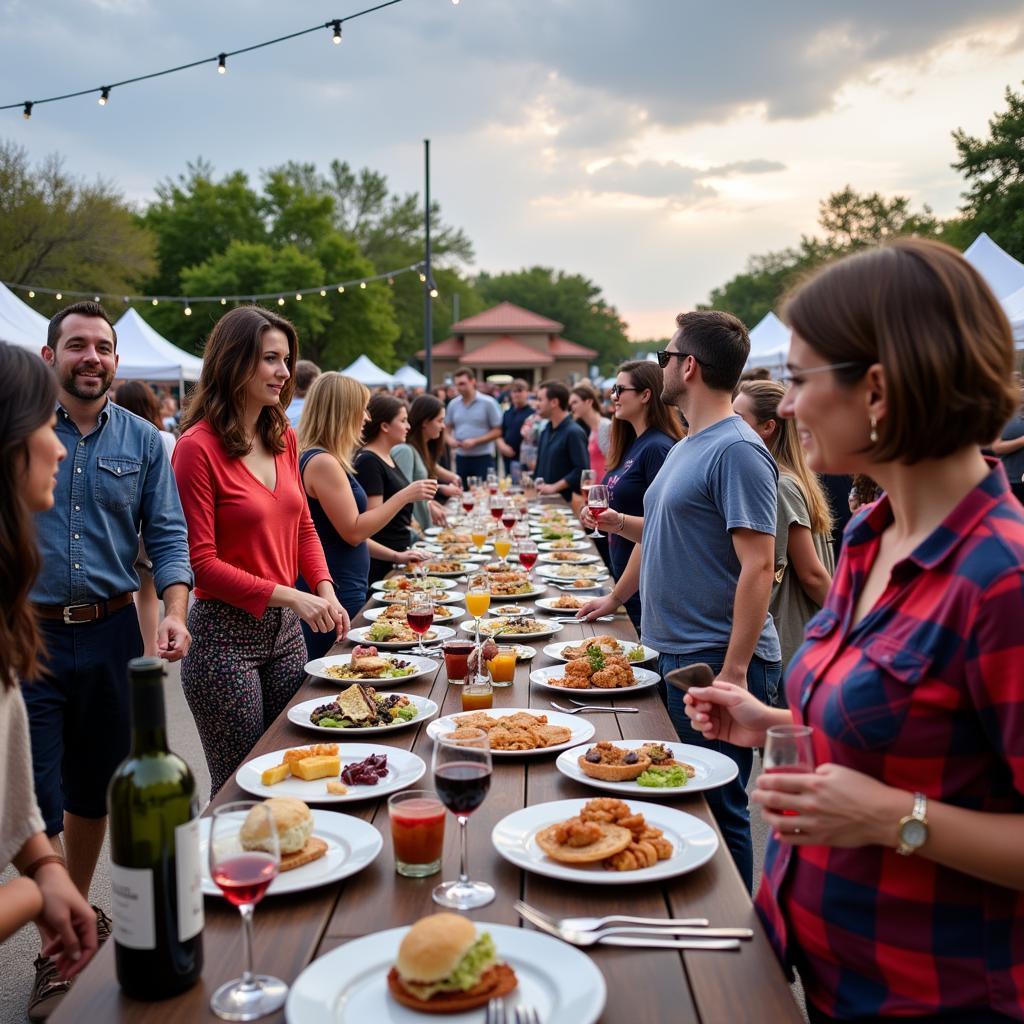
{"x": 293, "y": 821}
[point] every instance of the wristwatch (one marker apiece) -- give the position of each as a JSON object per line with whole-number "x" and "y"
{"x": 913, "y": 829}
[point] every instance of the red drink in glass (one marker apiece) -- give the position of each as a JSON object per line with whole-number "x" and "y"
{"x": 508, "y": 519}
{"x": 244, "y": 879}
{"x": 496, "y": 511}
{"x": 417, "y": 830}
{"x": 419, "y": 621}
{"x": 596, "y": 510}
{"x": 456, "y": 659}
{"x": 467, "y": 506}
{"x": 462, "y": 785}
{"x": 493, "y": 488}
{"x": 527, "y": 559}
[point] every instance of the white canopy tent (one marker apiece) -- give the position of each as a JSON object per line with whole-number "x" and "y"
{"x": 146, "y": 355}
{"x": 769, "y": 342}
{"x": 410, "y": 377}
{"x": 367, "y": 372}
{"x": 1014, "y": 307}
{"x": 20, "y": 324}
{"x": 1004, "y": 274}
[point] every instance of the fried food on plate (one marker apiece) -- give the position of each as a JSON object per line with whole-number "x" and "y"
{"x": 579, "y": 842}
{"x": 520, "y": 731}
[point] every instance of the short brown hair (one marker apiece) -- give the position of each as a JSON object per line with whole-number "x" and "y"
{"x": 137, "y": 397}
{"x": 87, "y": 308}
{"x": 306, "y": 371}
{"x": 720, "y": 344}
{"x": 556, "y": 390}
{"x": 927, "y": 316}
{"x": 463, "y": 371}
{"x": 230, "y": 358}
{"x": 520, "y": 385}
{"x": 588, "y": 393}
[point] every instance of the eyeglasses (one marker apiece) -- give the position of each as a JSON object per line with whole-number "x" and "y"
{"x": 795, "y": 373}
{"x": 617, "y": 389}
{"x": 665, "y": 355}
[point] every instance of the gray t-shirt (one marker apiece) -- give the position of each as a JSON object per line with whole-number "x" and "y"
{"x": 790, "y": 606}
{"x": 473, "y": 420}
{"x": 718, "y": 480}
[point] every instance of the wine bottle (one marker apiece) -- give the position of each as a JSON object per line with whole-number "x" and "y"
{"x": 154, "y": 852}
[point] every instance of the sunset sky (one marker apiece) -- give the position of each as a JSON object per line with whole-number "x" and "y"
{"x": 651, "y": 145}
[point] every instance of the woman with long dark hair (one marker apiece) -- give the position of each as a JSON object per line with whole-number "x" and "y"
{"x": 894, "y": 879}
{"x": 250, "y": 534}
{"x": 418, "y": 458}
{"x": 29, "y": 454}
{"x": 585, "y": 406}
{"x": 644, "y": 428}
{"x": 387, "y": 425}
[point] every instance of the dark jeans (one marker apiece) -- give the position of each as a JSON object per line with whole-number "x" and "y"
{"x": 981, "y": 1015}
{"x": 473, "y": 465}
{"x": 728, "y": 803}
{"x": 78, "y": 714}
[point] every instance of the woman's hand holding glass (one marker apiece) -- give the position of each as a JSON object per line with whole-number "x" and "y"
{"x": 608, "y": 520}
{"x": 421, "y": 490}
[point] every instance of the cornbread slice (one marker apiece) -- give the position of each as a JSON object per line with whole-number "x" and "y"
{"x": 316, "y": 767}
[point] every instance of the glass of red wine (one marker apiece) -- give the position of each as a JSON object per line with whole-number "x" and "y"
{"x": 468, "y": 501}
{"x": 509, "y": 515}
{"x": 789, "y": 750}
{"x": 597, "y": 502}
{"x": 419, "y": 613}
{"x": 244, "y": 858}
{"x": 462, "y": 777}
{"x": 527, "y": 553}
{"x": 497, "y": 506}
{"x": 588, "y": 477}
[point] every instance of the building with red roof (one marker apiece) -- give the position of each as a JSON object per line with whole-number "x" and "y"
{"x": 508, "y": 339}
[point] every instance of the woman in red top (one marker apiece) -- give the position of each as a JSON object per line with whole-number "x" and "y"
{"x": 250, "y": 535}
{"x": 894, "y": 880}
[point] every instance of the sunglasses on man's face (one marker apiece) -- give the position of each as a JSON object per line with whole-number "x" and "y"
{"x": 665, "y": 355}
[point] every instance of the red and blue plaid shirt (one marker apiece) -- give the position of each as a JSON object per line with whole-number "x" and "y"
{"x": 925, "y": 693}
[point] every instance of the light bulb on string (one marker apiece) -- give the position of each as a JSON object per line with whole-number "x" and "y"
{"x": 433, "y": 293}
{"x": 280, "y": 301}
{"x": 298, "y": 296}
{"x": 222, "y": 64}
{"x": 31, "y": 294}
{"x": 26, "y": 111}
{"x": 391, "y": 280}
{"x": 95, "y": 298}
{"x": 223, "y": 302}
{"x": 341, "y": 289}
{"x": 156, "y": 302}
{"x": 423, "y": 278}
{"x": 188, "y": 310}
{"x": 323, "y": 293}
{"x": 58, "y": 296}
{"x": 104, "y": 95}
{"x": 336, "y": 25}
{"x": 362, "y": 284}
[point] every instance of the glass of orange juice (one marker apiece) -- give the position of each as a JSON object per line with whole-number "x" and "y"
{"x": 478, "y": 599}
{"x": 503, "y": 666}
{"x": 502, "y": 546}
{"x": 478, "y": 533}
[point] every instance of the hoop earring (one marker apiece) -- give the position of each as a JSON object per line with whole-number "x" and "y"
{"x": 873, "y": 435}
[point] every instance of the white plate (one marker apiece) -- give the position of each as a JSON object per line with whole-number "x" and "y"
{"x": 455, "y": 574}
{"x": 537, "y": 590}
{"x": 441, "y": 597}
{"x": 713, "y": 769}
{"x": 548, "y": 604}
{"x": 579, "y": 727}
{"x": 349, "y": 984}
{"x": 568, "y": 573}
{"x": 538, "y": 532}
{"x": 440, "y": 584}
{"x": 694, "y": 843}
{"x": 575, "y": 545}
{"x": 373, "y": 614}
{"x": 404, "y": 768}
{"x": 645, "y": 679}
{"x": 550, "y": 629}
{"x": 317, "y": 668}
{"x": 359, "y": 636}
{"x": 555, "y": 650}
{"x": 299, "y": 714}
{"x": 549, "y": 558}
{"x": 351, "y": 844}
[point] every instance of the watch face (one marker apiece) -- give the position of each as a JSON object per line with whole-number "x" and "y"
{"x": 914, "y": 833}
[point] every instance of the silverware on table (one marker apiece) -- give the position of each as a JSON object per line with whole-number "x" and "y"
{"x": 592, "y": 924}
{"x": 527, "y": 1015}
{"x": 496, "y": 1012}
{"x": 576, "y": 938}
{"x": 580, "y": 622}
{"x": 591, "y": 707}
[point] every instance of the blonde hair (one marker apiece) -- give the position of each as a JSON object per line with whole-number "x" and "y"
{"x": 332, "y": 417}
{"x": 765, "y": 396}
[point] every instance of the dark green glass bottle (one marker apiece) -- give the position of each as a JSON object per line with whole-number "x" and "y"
{"x": 155, "y": 870}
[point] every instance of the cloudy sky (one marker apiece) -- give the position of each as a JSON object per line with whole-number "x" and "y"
{"x": 651, "y": 145}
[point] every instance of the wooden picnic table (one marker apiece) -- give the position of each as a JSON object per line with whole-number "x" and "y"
{"x": 647, "y": 984}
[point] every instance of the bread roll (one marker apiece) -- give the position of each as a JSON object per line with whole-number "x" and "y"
{"x": 292, "y": 819}
{"x": 433, "y": 946}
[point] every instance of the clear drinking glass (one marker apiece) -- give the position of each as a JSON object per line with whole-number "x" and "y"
{"x": 462, "y": 777}
{"x": 597, "y": 502}
{"x": 789, "y": 750}
{"x": 588, "y": 477}
{"x": 243, "y": 877}
{"x": 478, "y": 600}
{"x": 419, "y": 613}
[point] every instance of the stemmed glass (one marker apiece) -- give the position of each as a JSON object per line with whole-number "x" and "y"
{"x": 478, "y": 600}
{"x": 588, "y": 477}
{"x": 468, "y": 501}
{"x": 478, "y": 532}
{"x": 243, "y": 876}
{"x": 462, "y": 777}
{"x": 597, "y": 502}
{"x": 527, "y": 554}
{"x": 789, "y": 750}
{"x": 419, "y": 613}
{"x": 497, "y": 507}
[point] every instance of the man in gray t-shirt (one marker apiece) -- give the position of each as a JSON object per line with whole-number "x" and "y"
{"x": 474, "y": 421}
{"x": 705, "y": 555}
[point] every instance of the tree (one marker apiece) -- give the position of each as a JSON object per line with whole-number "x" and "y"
{"x": 572, "y": 300}
{"x": 62, "y": 232}
{"x": 994, "y": 168}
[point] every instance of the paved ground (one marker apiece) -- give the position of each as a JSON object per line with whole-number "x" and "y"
{"x": 20, "y": 950}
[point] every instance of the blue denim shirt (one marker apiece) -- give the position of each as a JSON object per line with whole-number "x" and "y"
{"x": 115, "y": 482}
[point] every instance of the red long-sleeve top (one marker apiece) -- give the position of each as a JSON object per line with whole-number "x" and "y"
{"x": 243, "y": 538}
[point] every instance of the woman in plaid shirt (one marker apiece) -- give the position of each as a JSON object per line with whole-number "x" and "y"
{"x": 896, "y": 882}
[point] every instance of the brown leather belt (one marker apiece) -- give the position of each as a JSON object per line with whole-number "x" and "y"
{"x": 74, "y": 613}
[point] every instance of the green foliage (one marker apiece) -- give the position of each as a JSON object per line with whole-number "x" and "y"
{"x": 572, "y": 300}
{"x": 994, "y": 167}
{"x": 63, "y": 232}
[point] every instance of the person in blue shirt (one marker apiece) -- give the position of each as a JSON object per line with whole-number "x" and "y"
{"x": 474, "y": 422}
{"x": 512, "y": 421}
{"x": 115, "y": 483}
{"x": 644, "y": 429}
{"x": 562, "y": 451}
{"x": 306, "y": 371}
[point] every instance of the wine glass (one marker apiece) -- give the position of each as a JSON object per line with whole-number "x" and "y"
{"x": 462, "y": 777}
{"x": 509, "y": 515}
{"x": 492, "y": 482}
{"x": 478, "y": 599}
{"x": 527, "y": 554}
{"x": 789, "y": 750}
{"x": 497, "y": 507}
{"x": 243, "y": 876}
{"x": 478, "y": 533}
{"x": 468, "y": 501}
{"x": 597, "y": 502}
{"x": 588, "y": 477}
{"x": 502, "y": 545}
{"x": 419, "y": 613}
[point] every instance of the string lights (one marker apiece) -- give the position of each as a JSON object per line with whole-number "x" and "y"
{"x": 188, "y": 301}
{"x": 334, "y": 25}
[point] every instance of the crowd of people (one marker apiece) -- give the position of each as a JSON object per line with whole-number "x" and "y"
{"x": 260, "y": 518}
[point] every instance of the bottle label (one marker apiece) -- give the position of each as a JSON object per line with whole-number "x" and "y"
{"x": 134, "y": 924}
{"x": 189, "y": 878}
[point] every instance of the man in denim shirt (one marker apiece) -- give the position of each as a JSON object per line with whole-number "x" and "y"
{"x": 115, "y": 483}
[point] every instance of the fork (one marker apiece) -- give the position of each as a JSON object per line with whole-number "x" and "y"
{"x": 579, "y": 622}
{"x": 591, "y": 707}
{"x": 527, "y": 1015}
{"x": 585, "y": 937}
{"x": 496, "y": 1012}
{"x": 592, "y": 924}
